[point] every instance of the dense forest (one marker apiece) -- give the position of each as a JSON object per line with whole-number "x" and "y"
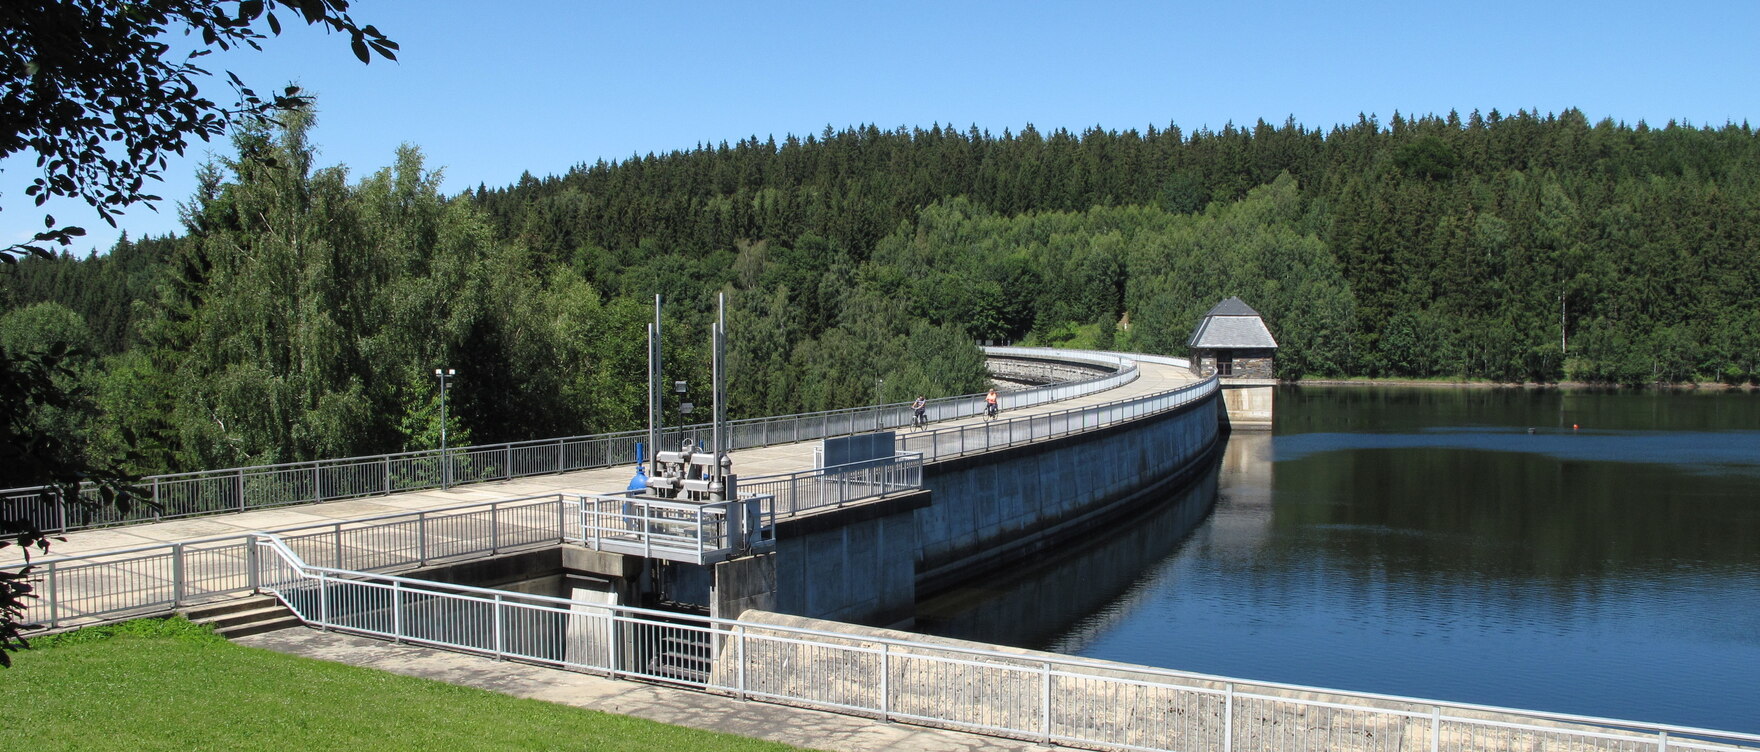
{"x": 302, "y": 311}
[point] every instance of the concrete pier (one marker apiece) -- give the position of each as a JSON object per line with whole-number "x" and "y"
{"x": 1249, "y": 403}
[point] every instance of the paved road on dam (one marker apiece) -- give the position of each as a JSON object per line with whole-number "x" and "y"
{"x": 1153, "y": 378}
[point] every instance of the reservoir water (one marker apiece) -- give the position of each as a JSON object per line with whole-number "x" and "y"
{"x": 1594, "y": 553}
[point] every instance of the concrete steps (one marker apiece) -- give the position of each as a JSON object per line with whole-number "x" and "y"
{"x": 243, "y": 616}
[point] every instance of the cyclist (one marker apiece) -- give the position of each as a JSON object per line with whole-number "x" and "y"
{"x": 921, "y": 409}
{"x": 990, "y": 403}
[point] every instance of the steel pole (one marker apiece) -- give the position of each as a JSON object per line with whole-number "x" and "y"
{"x": 445, "y": 461}
{"x": 654, "y": 416}
{"x": 718, "y": 412}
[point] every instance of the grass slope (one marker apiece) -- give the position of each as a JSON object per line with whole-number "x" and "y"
{"x": 168, "y": 685}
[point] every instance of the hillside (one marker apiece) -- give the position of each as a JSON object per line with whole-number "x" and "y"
{"x": 302, "y": 310}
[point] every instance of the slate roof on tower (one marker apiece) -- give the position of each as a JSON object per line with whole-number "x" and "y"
{"x": 1232, "y": 324}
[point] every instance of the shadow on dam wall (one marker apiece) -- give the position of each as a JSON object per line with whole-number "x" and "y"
{"x": 1031, "y": 605}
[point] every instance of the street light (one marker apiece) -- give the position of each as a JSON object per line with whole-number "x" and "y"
{"x": 445, "y": 461}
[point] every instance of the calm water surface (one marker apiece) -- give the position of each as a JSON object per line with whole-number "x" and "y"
{"x": 1425, "y": 542}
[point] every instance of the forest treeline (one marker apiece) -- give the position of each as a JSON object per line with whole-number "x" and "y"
{"x": 302, "y": 311}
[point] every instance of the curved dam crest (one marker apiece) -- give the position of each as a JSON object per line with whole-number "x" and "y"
{"x": 871, "y": 563}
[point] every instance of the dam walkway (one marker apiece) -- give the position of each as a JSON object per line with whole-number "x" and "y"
{"x": 157, "y": 565}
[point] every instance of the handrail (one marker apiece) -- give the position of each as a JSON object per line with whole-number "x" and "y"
{"x": 942, "y": 443}
{"x": 142, "y": 579}
{"x": 836, "y": 485}
{"x": 696, "y": 532}
{"x": 239, "y": 489}
{"x": 154, "y": 579}
{"x": 899, "y": 678}
{"x": 474, "y": 506}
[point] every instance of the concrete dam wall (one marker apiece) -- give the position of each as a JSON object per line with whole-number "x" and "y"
{"x": 870, "y": 563}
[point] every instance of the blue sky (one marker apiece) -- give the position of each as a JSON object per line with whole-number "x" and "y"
{"x": 543, "y": 86}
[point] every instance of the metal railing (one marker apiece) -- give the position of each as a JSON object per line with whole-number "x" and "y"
{"x": 837, "y": 485}
{"x": 176, "y": 495}
{"x": 145, "y": 580}
{"x": 142, "y": 580}
{"x": 694, "y": 532}
{"x": 1038, "y": 697}
{"x": 945, "y": 443}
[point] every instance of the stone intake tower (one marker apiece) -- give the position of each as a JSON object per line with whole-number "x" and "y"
{"x": 1233, "y": 342}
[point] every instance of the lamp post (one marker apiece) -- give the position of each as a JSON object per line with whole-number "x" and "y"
{"x": 445, "y": 461}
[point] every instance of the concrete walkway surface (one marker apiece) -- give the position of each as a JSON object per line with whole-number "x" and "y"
{"x": 682, "y": 707}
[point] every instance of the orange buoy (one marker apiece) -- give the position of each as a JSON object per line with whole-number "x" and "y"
{"x": 1573, "y": 426}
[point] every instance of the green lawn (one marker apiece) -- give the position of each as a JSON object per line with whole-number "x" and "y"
{"x": 153, "y": 685}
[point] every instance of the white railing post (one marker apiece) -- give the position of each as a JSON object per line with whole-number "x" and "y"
{"x": 177, "y": 574}
{"x": 323, "y": 600}
{"x": 500, "y": 642}
{"x": 1045, "y": 702}
{"x": 1435, "y": 728}
{"x": 251, "y": 564}
{"x": 494, "y": 529}
{"x": 1662, "y": 741}
{"x": 54, "y": 602}
{"x": 1228, "y": 719}
{"x": 886, "y": 682}
{"x": 593, "y": 517}
{"x": 396, "y": 611}
{"x": 613, "y": 634}
{"x": 238, "y": 484}
{"x": 421, "y": 538}
{"x": 740, "y": 654}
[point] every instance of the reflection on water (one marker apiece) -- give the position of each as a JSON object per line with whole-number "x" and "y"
{"x": 1030, "y": 607}
{"x": 1422, "y": 542}
{"x": 1713, "y": 452}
